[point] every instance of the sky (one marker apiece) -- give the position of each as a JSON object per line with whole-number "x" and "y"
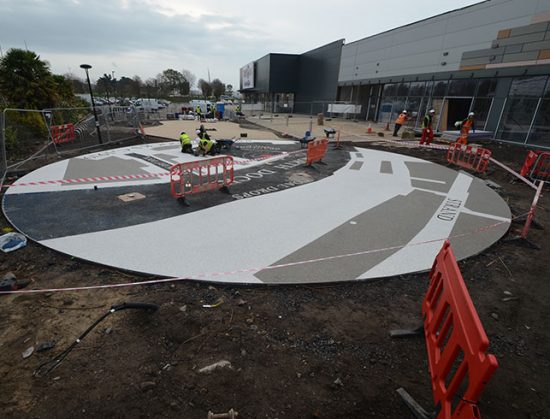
{"x": 146, "y": 37}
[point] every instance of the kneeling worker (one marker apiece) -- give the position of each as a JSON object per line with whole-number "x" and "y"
{"x": 207, "y": 146}
{"x": 186, "y": 146}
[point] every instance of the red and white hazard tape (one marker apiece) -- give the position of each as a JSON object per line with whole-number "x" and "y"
{"x": 415, "y": 144}
{"x": 128, "y": 177}
{"x": 250, "y": 270}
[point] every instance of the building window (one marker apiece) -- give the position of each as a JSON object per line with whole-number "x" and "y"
{"x": 390, "y": 89}
{"x": 440, "y": 88}
{"x": 462, "y": 88}
{"x": 402, "y": 89}
{"x": 528, "y": 86}
{"x": 487, "y": 88}
{"x": 481, "y": 108}
{"x": 516, "y": 119}
{"x": 417, "y": 88}
{"x": 540, "y": 133}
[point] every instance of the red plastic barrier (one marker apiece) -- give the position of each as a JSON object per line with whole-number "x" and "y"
{"x": 316, "y": 150}
{"x": 529, "y": 161}
{"x": 201, "y": 175}
{"x": 455, "y": 340}
{"x": 541, "y": 168}
{"x": 63, "y": 133}
{"x": 469, "y": 157}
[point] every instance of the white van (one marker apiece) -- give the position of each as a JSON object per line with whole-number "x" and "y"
{"x": 149, "y": 104}
{"x": 204, "y": 104}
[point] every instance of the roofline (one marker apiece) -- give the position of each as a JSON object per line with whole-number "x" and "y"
{"x": 421, "y": 20}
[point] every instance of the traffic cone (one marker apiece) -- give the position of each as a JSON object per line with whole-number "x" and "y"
{"x": 369, "y": 129}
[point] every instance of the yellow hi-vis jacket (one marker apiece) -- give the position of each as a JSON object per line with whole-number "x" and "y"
{"x": 185, "y": 139}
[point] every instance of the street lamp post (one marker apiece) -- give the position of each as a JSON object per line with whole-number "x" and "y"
{"x": 86, "y": 67}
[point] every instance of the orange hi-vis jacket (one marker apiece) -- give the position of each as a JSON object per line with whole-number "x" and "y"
{"x": 401, "y": 119}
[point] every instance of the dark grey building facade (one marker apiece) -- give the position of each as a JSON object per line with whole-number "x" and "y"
{"x": 293, "y": 82}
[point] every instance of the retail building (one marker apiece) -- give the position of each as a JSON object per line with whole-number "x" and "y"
{"x": 492, "y": 58}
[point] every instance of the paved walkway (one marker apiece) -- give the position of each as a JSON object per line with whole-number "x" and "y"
{"x": 363, "y": 214}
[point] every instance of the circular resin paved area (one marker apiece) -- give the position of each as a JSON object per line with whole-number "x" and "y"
{"x": 362, "y": 214}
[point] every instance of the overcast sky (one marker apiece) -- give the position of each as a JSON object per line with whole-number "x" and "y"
{"x": 145, "y": 37}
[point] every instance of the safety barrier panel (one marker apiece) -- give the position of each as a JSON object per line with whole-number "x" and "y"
{"x": 316, "y": 150}
{"x": 455, "y": 340}
{"x": 63, "y": 133}
{"x": 540, "y": 170}
{"x": 201, "y": 175}
{"x": 469, "y": 157}
{"x": 530, "y": 159}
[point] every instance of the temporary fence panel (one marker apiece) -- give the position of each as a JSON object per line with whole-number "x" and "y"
{"x": 62, "y": 133}
{"x": 541, "y": 169}
{"x": 469, "y": 157}
{"x": 201, "y": 175}
{"x": 25, "y": 135}
{"x": 530, "y": 159}
{"x": 29, "y": 136}
{"x": 316, "y": 150}
{"x": 455, "y": 340}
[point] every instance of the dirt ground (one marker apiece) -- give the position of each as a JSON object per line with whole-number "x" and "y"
{"x": 315, "y": 351}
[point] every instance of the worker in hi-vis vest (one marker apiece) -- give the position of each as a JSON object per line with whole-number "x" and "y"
{"x": 198, "y": 112}
{"x": 400, "y": 121}
{"x": 186, "y": 145}
{"x": 206, "y": 145}
{"x": 427, "y": 130}
{"x": 465, "y": 126}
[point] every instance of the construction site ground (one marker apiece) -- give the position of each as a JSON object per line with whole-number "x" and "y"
{"x": 301, "y": 351}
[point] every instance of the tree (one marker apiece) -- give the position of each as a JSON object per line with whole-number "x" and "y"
{"x": 205, "y": 87}
{"x": 106, "y": 84}
{"x": 128, "y": 87}
{"x": 218, "y": 88}
{"x": 26, "y": 81}
{"x": 65, "y": 90}
{"x": 151, "y": 87}
{"x": 173, "y": 82}
{"x": 190, "y": 77}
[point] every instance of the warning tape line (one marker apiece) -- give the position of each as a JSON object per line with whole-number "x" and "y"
{"x": 130, "y": 177}
{"x": 415, "y": 144}
{"x": 250, "y": 270}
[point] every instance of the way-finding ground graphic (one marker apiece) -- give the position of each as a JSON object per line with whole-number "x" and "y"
{"x": 360, "y": 214}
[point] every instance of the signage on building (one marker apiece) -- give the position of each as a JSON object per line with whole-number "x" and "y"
{"x": 247, "y": 76}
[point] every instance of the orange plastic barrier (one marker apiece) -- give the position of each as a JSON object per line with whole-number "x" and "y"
{"x": 455, "y": 340}
{"x": 63, "y": 133}
{"x": 316, "y": 150}
{"x": 201, "y": 175}
{"x": 469, "y": 157}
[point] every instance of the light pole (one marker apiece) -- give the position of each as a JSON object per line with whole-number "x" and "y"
{"x": 86, "y": 67}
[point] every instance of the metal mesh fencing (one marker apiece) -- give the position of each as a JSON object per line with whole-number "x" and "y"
{"x": 288, "y": 113}
{"x": 30, "y": 138}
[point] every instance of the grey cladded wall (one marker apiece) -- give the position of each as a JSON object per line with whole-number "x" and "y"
{"x": 311, "y": 76}
{"x": 437, "y": 44}
{"x": 284, "y": 68}
{"x": 318, "y": 74}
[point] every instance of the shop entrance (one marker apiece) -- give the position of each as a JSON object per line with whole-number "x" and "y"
{"x": 454, "y": 109}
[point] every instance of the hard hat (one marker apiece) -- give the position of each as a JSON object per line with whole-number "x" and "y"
{"x": 404, "y": 111}
{"x": 471, "y": 114}
{"x": 432, "y": 111}
{"x": 198, "y": 131}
